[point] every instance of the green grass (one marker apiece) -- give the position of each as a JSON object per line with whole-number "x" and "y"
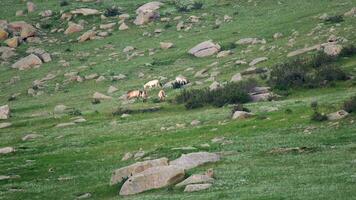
{"x": 89, "y": 152}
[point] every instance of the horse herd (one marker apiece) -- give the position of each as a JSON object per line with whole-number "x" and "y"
{"x": 137, "y": 94}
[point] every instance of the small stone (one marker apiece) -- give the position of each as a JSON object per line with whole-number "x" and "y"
{"x": 6, "y": 150}
{"x": 197, "y": 187}
{"x": 31, "y": 137}
{"x": 127, "y": 156}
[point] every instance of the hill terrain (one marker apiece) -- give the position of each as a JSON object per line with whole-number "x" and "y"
{"x": 65, "y": 73}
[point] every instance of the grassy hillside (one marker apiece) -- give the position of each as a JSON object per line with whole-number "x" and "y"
{"x": 67, "y": 162}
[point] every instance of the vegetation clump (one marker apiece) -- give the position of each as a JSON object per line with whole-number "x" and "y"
{"x": 350, "y": 105}
{"x": 187, "y": 5}
{"x": 317, "y": 116}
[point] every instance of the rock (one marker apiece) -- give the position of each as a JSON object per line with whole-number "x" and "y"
{"x": 205, "y": 49}
{"x": 196, "y": 178}
{"x": 332, "y": 49}
{"x": 124, "y": 16}
{"x": 195, "y": 122}
{"x": 223, "y": 54}
{"x": 112, "y": 89}
{"x": 248, "y": 41}
{"x": 277, "y": 36}
{"x": 28, "y": 62}
{"x": 241, "y": 115}
{"x": 236, "y": 78}
{"x": 89, "y": 35}
{"x": 61, "y": 109}
{"x": 197, "y": 187}
{"x": 152, "y": 178}
{"x": 20, "y": 13}
{"x": 189, "y": 148}
{"x": 202, "y": 73}
{"x": 125, "y": 172}
{"x": 5, "y": 125}
{"x": 42, "y": 54}
{"x": 147, "y": 12}
{"x": 62, "y": 125}
{"x": 78, "y": 120}
{"x": 100, "y": 79}
{"x": 215, "y": 85}
{"x": 166, "y": 45}
{"x": 107, "y": 26}
{"x": 6, "y": 150}
{"x": 337, "y": 115}
{"x": 30, "y": 137}
{"x": 3, "y": 34}
{"x": 123, "y": 27}
{"x": 91, "y": 76}
{"x": 100, "y": 96}
{"x": 31, "y": 7}
{"x": 351, "y": 13}
{"x": 258, "y": 60}
{"x": 253, "y": 70}
{"x": 84, "y": 196}
{"x": 139, "y": 154}
{"x": 9, "y": 177}
{"x": 4, "y": 112}
{"x": 73, "y": 28}
{"x": 118, "y": 77}
{"x": 46, "y": 13}
{"x": 85, "y": 11}
{"x": 127, "y": 156}
{"x": 154, "y": 5}
{"x": 192, "y": 160}
{"x": 12, "y": 42}
{"x": 26, "y": 30}
{"x": 6, "y": 53}
{"x": 261, "y": 97}
{"x": 304, "y": 50}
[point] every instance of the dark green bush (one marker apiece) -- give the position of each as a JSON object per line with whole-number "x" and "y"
{"x": 310, "y": 72}
{"x": 317, "y": 116}
{"x": 232, "y": 93}
{"x": 112, "y": 12}
{"x": 350, "y": 105}
{"x": 63, "y": 3}
{"x": 187, "y": 5}
{"x": 228, "y": 46}
{"x": 334, "y": 19}
{"x": 349, "y": 50}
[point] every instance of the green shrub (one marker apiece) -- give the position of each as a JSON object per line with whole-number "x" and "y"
{"x": 334, "y": 19}
{"x": 228, "y": 46}
{"x": 232, "y": 93}
{"x": 63, "y": 3}
{"x": 349, "y": 50}
{"x": 187, "y": 5}
{"x": 350, "y": 105}
{"x": 309, "y": 72}
{"x": 317, "y": 116}
{"x": 112, "y": 12}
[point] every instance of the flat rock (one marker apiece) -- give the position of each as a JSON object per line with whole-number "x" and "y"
{"x": 31, "y": 137}
{"x": 196, "y": 178}
{"x": 337, "y": 115}
{"x": 241, "y": 115}
{"x": 100, "y": 96}
{"x": 166, "y": 45}
{"x": 152, "y": 178}
{"x": 205, "y": 49}
{"x": 5, "y": 125}
{"x": 258, "y": 60}
{"x": 236, "y": 78}
{"x": 248, "y": 41}
{"x": 73, "y": 28}
{"x": 197, "y": 187}
{"x": 6, "y": 150}
{"x": 304, "y": 50}
{"x": 89, "y": 35}
{"x": 125, "y": 172}
{"x": 192, "y": 160}
{"x": 112, "y": 89}
{"x": 63, "y": 125}
{"x": 85, "y": 11}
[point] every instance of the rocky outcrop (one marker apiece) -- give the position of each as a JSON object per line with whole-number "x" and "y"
{"x": 205, "y": 49}
{"x": 147, "y": 12}
{"x": 191, "y": 160}
{"x": 28, "y": 62}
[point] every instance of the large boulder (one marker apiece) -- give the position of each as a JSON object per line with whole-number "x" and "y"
{"x": 41, "y": 53}
{"x": 205, "y": 49}
{"x": 236, "y": 78}
{"x": 26, "y": 30}
{"x": 147, "y": 12}
{"x": 125, "y": 172}
{"x": 191, "y": 160}
{"x": 6, "y": 53}
{"x": 152, "y": 178}
{"x": 73, "y": 28}
{"x": 4, "y": 112}
{"x": 28, "y": 62}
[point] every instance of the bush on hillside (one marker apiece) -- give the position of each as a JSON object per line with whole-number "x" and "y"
{"x": 350, "y": 105}
{"x": 349, "y": 50}
{"x": 310, "y": 72}
{"x": 63, "y": 3}
{"x": 232, "y": 93}
{"x": 334, "y": 19}
{"x": 112, "y": 12}
{"x": 187, "y": 5}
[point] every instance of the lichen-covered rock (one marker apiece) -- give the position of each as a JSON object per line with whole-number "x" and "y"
{"x": 191, "y": 160}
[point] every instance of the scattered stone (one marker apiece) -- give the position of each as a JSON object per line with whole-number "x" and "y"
{"x": 63, "y": 125}
{"x": 100, "y": 96}
{"x": 26, "y": 30}
{"x": 332, "y": 49}
{"x": 73, "y": 28}
{"x": 31, "y": 61}
{"x": 131, "y": 170}
{"x": 241, "y": 115}
{"x": 20, "y": 13}
{"x": 127, "y": 156}
{"x": 304, "y": 50}
{"x": 152, "y": 178}
{"x": 46, "y": 13}
{"x": 85, "y": 11}
{"x": 205, "y": 49}
{"x": 351, "y": 13}
{"x": 3, "y": 34}
{"x": 258, "y": 60}
{"x": 31, "y": 7}
{"x": 197, "y": 187}
{"x": 4, "y": 112}
{"x": 147, "y": 12}
{"x": 107, "y": 26}
{"x": 42, "y": 54}
{"x": 84, "y": 196}
{"x": 195, "y": 122}
{"x": 166, "y": 45}
{"x": 249, "y": 41}
{"x": 189, "y": 148}
{"x": 31, "y": 137}
{"x": 192, "y": 160}
{"x": 337, "y": 115}
{"x": 112, "y": 89}
{"x": 277, "y": 36}
{"x": 123, "y": 27}
{"x": 215, "y": 85}
{"x": 236, "y": 78}
{"x": 12, "y": 42}
{"x": 89, "y": 35}
{"x": 224, "y": 54}
{"x": 6, "y": 150}
{"x": 9, "y": 177}
{"x": 5, "y": 125}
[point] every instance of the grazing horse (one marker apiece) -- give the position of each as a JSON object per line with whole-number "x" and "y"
{"x": 152, "y": 84}
{"x": 136, "y": 94}
{"x": 162, "y": 95}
